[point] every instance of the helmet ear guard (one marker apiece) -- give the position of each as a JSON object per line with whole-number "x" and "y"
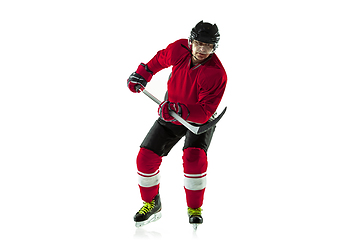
{"x": 205, "y": 32}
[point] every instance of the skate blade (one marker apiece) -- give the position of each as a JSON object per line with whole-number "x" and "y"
{"x": 153, "y": 218}
{"x": 195, "y": 226}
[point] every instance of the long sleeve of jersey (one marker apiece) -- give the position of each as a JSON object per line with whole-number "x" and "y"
{"x": 167, "y": 57}
{"x": 200, "y": 87}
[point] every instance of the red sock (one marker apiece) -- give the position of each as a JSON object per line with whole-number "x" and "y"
{"x": 195, "y": 166}
{"x": 194, "y": 198}
{"x": 148, "y": 164}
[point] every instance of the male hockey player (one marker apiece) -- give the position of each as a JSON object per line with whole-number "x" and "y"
{"x": 195, "y": 88}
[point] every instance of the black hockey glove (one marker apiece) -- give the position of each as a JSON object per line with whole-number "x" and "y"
{"x": 138, "y": 80}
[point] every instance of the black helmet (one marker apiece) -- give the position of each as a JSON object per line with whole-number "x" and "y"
{"x": 205, "y": 32}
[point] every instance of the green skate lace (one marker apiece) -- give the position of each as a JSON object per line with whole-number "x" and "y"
{"x": 194, "y": 211}
{"x": 147, "y": 207}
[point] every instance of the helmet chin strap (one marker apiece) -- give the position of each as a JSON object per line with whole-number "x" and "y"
{"x": 188, "y": 50}
{"x": 194, "y": 57}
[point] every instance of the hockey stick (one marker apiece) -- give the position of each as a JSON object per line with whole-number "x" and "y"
{"x": 194, "y": 129}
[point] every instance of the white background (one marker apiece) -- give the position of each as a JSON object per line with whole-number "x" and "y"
{"x": 284, "y": 161}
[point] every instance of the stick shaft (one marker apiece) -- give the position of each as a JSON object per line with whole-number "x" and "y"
{"x": 152, "y": 97}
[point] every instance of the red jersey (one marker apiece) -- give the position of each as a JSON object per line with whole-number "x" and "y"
{"x": 200, "y": 87}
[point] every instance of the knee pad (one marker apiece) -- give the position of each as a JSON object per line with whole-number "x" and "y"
{"x": 194, "y": 161}
{"x": 147, "y": 161}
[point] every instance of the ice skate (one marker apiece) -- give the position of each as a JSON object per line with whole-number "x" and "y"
{"x": 195, "y": 217}
{"x": 150, "y": 212}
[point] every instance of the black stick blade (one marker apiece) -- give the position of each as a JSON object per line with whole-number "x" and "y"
{"x": 209, "y": 125}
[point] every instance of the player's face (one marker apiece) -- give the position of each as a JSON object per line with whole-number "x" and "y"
{"x": 201, "y": 50}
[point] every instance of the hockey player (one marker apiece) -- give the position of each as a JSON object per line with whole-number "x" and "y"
{"x": 195, "y": 88}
